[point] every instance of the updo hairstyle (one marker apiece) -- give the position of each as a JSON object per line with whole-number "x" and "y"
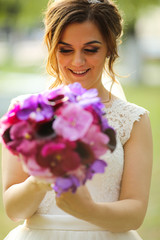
{"x": 61, "y": 13}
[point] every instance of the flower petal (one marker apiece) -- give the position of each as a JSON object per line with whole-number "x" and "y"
{"x": 72, "y": 121}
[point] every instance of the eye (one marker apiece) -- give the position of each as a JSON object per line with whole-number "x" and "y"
{"x": 91, "y": 50}
{"x": 63, "y": 50}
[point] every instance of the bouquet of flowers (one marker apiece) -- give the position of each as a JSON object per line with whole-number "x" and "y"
{"x": 59, "y": 135}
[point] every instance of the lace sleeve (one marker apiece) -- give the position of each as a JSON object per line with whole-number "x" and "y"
{"x": 130, "y": 114}
{"x": 122, "y": 116}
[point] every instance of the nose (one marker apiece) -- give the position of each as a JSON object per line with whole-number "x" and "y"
{"x": 78, "y": 59}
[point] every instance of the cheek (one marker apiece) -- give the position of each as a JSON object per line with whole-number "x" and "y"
{"x": 98, "y": 60}
{"x": 61, "y": 60}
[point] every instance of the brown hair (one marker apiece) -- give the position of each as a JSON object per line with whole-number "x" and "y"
{"x": 59, "y": 14}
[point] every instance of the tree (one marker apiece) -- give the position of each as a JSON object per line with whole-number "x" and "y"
{"x": 20, "y": 13}
{"x": 132, "y": 9}
{"x": 29, "y": 12}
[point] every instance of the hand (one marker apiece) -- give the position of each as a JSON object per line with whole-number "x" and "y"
{"x": 78, "y": 204}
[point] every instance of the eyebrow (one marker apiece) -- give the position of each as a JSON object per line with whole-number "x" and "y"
{"x": 88, "y": 43}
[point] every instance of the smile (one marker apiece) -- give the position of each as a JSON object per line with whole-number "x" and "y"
{"x": 79, "y": 72}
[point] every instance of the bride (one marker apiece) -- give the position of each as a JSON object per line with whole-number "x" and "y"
{"x": 82, "y": 38}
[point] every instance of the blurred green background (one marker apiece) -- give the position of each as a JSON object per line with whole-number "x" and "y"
{"x": 22, "y": 70}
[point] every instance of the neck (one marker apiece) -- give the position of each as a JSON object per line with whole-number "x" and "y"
{"x": 103, "y": 93}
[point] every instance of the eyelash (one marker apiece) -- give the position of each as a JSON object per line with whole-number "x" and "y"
{"x": 64, "y": 50}
{"x": 94, "y": 50}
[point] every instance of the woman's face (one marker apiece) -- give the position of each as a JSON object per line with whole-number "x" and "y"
{"x": 81, "y": 54}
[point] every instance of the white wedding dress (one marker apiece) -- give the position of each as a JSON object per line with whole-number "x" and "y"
{"x": 51, "y": 223}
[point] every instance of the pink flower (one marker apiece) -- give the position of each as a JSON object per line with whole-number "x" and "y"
{"x": 12, "y": 115}
{"x": 9, "y": 119}
{"x": 27, "y": 148}
{"x": 22, "y": 146}
{"x": 96, "y": 118}
{"x": 21, "y": 130}
{"x": 59, "y": 157}
{"x": 35, "y": 108}
{"x": 19, "y": 138}
{"x": 33, "y": 168}
{"x": 70, "y": 124}
{"x": 97, "y": 140}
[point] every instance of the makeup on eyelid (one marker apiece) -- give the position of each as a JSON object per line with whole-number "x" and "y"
{"x": 86, "y": 50}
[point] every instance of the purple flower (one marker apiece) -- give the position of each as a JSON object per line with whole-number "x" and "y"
{"x": 79, "y": 173}
{"x": 97, "y": 140}
{"x": 64, "y": 184}
{"x": 35, "y": 108}
{"x": 54, "y": 93}
{"x": 56, "y": 97}
{"x": 88, "y": 98}
{"x": 82, "y": 96}
{"x": 73, "y": 123}
{"x": 99, "y": 109}
{"x": 104, "y": 123}
{"x": 97, "y": 167}
{"x": 77, "y": 89}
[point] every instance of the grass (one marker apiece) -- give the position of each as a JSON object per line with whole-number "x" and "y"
{"x": 148, "y": 97}
{"x": 10, "y": 66}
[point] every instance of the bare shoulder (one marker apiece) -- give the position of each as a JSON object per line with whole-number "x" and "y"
{"x": 142, "y": 127}
{"x": 141, "y": 136}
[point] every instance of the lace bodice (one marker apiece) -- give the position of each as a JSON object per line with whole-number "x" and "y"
{"x": 121, "y": 116}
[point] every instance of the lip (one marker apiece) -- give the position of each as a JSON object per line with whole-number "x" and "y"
{"x": 79, "y": 73}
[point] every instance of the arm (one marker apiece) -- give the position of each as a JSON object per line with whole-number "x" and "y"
{"x": 127, "y": 213}
{"x": 21, "y": 194}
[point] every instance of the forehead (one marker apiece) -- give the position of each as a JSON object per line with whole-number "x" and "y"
{"x": 81, "y": 33}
